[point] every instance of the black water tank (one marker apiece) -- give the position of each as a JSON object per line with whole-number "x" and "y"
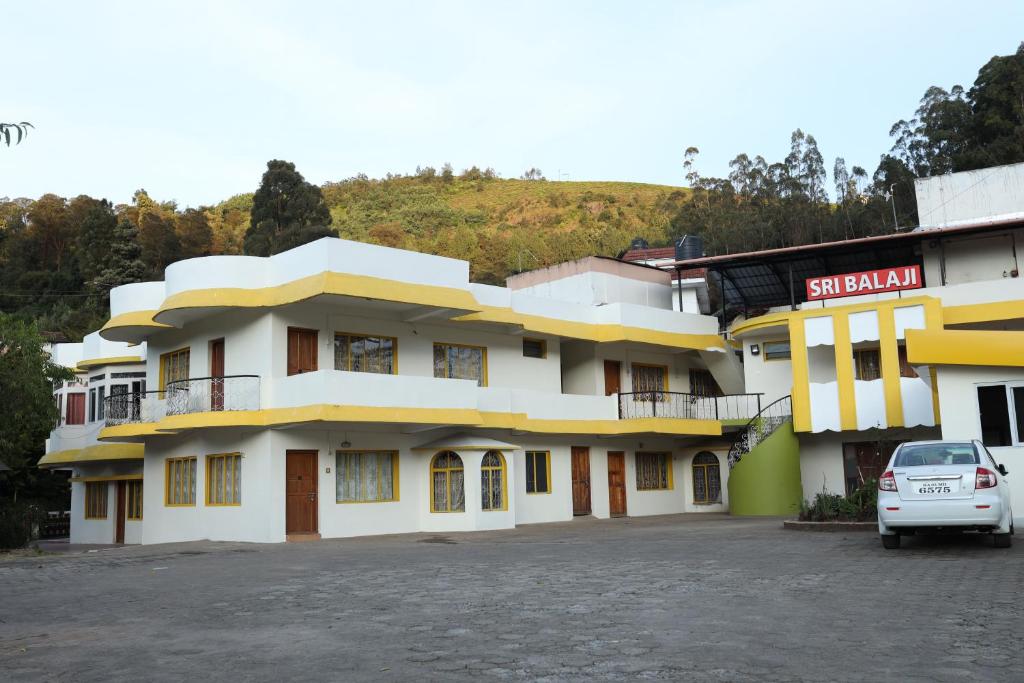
{"x": 638, "y": 243}
{"x": 689, "y": 247}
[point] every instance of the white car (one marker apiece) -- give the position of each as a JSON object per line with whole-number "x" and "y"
{"x": 948, "y": 485}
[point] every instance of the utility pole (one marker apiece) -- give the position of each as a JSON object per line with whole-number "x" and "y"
{"x": 892, "y": 195}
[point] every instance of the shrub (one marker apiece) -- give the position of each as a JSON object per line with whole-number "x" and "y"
{"x": 859, "y": 506}
{"x": 18, "y": 523}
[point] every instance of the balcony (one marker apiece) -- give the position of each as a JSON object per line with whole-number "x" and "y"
{"x": 133, "y": 407}
{"x": 184, "y": 397}
{"x": 212, "y": 394}
{"x": 677, "y": 405}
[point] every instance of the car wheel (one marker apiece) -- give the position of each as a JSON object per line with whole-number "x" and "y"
{"x": 891, "y": 541}
{"x": 1002, "y": 540}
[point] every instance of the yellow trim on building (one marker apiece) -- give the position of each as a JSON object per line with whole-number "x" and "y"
{"x": 133, "y": 319}
{"x": 340, "y": 284}
{"x": 965, "y": 347}
{"x": 932, "y": 306}
{"x": 934, "y": 373}
{"x": 110, "y": 477}
{"x": 640, "y": 425}
{"x": 112, "y": 360}
{"x": 979, "y": 313}
{"x": 381, "y": 289}
{"x": 597, "y": 332}
{"x": 844, "y": 370}
{"x": 801, "y": 391}
{"x": 446, "y": 416}
{"x": 889, "y": 354}
{"x": 98, "y": 452}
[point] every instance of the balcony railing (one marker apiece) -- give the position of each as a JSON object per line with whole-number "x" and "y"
{"x": 184, "y": 397}
{"x": 688, "y": 406}
{"x": 133, "y": 407}
{"x": 212, "y": 394}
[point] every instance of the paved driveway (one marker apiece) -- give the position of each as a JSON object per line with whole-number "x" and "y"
{"x": 679, "y": 597}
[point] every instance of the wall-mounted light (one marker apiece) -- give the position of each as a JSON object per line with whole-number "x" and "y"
{"x": 755, "y": 350}
{"x": 345, "y": 443}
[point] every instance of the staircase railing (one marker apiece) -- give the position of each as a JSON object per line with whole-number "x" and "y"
{"x": 760, "y": 428}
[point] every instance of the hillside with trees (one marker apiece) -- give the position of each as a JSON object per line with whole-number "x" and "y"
{"x": 59, "y": 256}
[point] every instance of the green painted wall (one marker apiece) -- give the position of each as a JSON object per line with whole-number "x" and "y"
{"x": 766, "y": 481}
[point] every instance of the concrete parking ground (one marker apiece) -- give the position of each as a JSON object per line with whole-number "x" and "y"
{"x": 696, "y": 598}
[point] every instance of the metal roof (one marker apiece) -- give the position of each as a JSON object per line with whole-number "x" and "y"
{"x": 775, "y": 277}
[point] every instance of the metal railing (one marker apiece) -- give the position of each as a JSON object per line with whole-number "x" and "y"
{"x": 212, "y": 394}
{"x": 673, "y": 404}
{"x": 133, "y": 407}
{"x": 760, "y": 428}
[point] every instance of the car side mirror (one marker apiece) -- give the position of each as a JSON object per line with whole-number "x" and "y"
{"x": 1002, "y": 469}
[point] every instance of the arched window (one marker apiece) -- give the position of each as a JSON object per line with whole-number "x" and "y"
{"x": 492, "y": 481}
{"x": 707, "y": 478}
{"x": 447, "y": 493}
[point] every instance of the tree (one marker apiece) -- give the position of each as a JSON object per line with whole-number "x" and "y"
{"x": 96, "y": 222}
{"x": 51, "y": 228}
{"x": 996, "y": 130}
{"x": 27, "y": 410}
{"x": 123, "y": 262}
{"x": 194, "y": 233}
{"x": 20, "y": 131}
{"x": 533, "y": 174}
{"x": 287, "y": 212}
{"x": 159, "y": 242}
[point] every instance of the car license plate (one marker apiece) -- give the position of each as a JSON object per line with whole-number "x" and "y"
{"x": 936, "y": 488}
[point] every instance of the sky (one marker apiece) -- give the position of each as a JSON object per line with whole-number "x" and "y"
{"x": 190, "y": 100}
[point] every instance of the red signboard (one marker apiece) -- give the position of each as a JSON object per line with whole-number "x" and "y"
{"x": 865, "y": 282}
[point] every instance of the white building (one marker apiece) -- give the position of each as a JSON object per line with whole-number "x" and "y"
{"x": 106, "y": 481}
{"x": 689, "y": 287}
{"x": 343, "y": 389}
{"x": 929, "y": 343}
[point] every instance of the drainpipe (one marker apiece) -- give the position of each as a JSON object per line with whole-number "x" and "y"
{"x": 679, "y": 284}
{"x": 792, "y": 292}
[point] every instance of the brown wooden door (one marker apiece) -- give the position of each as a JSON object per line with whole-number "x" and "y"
{"x": 119, "y": 512}
{"x": 76, "y": 409}
{"x": 616, "y": 483}
{"x": 612, "y": 376}
{"x": 302, "y": 348}
{"x": 580, "y": 480}
{"x": 217, "y": 374}
{"x": 300, "y": 513}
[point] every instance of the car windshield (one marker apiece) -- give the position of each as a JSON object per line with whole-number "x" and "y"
{"x": 912, "y": 455}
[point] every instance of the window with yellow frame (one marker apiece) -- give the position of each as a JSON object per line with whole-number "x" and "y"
{"x": 493, "y": 496}
{"x": 777, "y": 350}
{"x": 173, "y": 367}
{"x": 365, "y": 353}
{"x": 224, "y": 479}
{"x": 538, "y": 471}
{"x": 447, "y": 483}
{"x": 180, "y": 482}
{"x": 653, "y": 471}
{"x": 134, "y": 499}
{"x": 366, "y": 476}
{"x": 95, "y": 500}
{"x": 459, "y": 361}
